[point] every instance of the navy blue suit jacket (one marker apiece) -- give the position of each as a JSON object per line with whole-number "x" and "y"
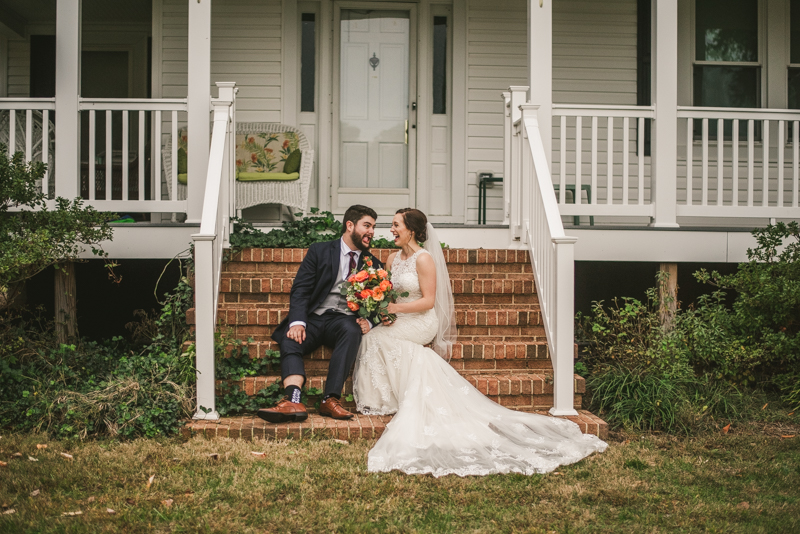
{"x": 315, "y": 278}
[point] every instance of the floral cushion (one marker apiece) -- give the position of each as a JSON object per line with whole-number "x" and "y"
{"x": 264, "y": 152}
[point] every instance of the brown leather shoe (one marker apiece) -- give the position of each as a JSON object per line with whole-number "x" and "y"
{"x": 332, "y": 407}
{"x": 284, "y": 412}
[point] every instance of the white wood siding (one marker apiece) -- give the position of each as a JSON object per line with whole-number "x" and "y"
{"x": 245, "y": 48}
{"x": 594, "y": 52}
{"x": 594, "y": 62}
{"x": 497, "y": 34}
{"x": 19, "y": 68}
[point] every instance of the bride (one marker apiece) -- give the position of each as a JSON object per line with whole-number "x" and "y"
{"x": 443, "y": 425}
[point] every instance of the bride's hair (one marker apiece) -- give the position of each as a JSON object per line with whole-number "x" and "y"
{"x": 416, "y": 221}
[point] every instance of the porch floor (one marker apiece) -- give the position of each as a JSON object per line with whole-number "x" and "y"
{"x": 250, "y": 427}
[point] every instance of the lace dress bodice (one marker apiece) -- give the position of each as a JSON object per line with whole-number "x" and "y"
{"x": 405, "y": 278}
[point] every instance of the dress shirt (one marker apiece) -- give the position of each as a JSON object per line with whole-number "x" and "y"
{"x": 344, "y": 270}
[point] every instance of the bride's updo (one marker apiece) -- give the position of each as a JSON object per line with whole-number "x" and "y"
{"x": 416, "y": 221}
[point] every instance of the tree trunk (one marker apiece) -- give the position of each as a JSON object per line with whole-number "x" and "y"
{"x": 66, "y": 302}
{"x": 668, "y": 294}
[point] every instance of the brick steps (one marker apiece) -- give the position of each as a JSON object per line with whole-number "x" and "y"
{"x": 526, "y": 391}
{"x": 501, "y": 347}
{"x": 360, "y": 427}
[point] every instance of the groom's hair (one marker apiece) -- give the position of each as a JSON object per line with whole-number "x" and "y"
{"x": 356, "y": 213}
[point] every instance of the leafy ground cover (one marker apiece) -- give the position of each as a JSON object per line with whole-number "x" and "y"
{"x": 744, "y": 480}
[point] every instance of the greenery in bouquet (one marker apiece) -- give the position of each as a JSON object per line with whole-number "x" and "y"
{"x": 369, "y": 292}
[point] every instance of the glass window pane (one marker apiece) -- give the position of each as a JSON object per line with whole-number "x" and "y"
{"x": 726, "y": 30}
{"x": 794, "y": 88}
{"x": 440, "y": 65}
{"x": 308, "y": 56}
{"x": 727, "y": 87}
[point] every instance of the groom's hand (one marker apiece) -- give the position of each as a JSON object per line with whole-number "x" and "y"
{"x": 297, "y": 333}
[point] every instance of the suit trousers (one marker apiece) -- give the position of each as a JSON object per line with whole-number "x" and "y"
{"x": 336, "y": 330}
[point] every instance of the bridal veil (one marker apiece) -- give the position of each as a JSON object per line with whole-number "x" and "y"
{"x": 443, "y": 303}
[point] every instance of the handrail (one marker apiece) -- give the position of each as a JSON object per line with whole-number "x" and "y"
{"x": 210, "y": 242}
{"x": 591, "y": 110}
{"x": 124, "y": 104}
{"x": 690, "y": 112}
{"x": 552, "y": 254}
{"x": 21, "y": 103}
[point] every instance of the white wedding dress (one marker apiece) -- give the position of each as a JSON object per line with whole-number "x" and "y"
{"x": 443, "y": 425}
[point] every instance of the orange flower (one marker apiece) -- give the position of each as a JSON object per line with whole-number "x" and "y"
{"x": 383, "y": 274}
{"x": 368, "y": 261}
{"x": 377, "y": 294}
{"x": 254, "y": 158}
{"x": 373, "y": 276}
{"x": 365, "y": 294}
{"x": 238, "y": 163}
{"x": 351, "y": 278}
{"x": 269, "y": 151}
{"x": 285, "y": 143}
{"x": 353, "y": 306}
{"x": 251, "y": 140}
{"x": 360, "y": 276}
{"x": 385, "y": 285}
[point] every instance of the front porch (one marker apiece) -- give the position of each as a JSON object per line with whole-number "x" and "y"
{"x": 663, "y": 179}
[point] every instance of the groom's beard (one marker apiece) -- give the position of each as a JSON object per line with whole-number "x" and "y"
{"x": 358, "y": 241}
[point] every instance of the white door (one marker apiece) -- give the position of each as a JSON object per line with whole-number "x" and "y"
{"x": 375, "y": 132}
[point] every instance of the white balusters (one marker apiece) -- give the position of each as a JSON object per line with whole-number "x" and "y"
{"x": 769, "y": 191}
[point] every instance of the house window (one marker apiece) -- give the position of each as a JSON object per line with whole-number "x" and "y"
{"x": 440, "y": 65}
{"x": 794, "y": 55}
{"x": 308, "y": 65}
{"x": 727, "y": 69}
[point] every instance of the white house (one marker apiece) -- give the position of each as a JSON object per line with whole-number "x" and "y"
{"x": 650, "y": 130}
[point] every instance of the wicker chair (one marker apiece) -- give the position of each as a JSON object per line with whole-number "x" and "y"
{"x": 248, "y": 194}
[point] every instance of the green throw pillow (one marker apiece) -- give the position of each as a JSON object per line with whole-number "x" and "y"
{"x": 292, "y": 163}
{"x": 182, "y": 178}
{"x": 182, "y": 165}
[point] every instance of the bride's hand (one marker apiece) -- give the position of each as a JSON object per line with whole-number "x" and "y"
{"x": 392, "y": 308}
{"x": 363, "y": 324}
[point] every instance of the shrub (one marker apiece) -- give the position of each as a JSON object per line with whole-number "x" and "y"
{"x": 110, "y": 388}
{"x": 299, "y": 233}
{"x": 762, "y": 330}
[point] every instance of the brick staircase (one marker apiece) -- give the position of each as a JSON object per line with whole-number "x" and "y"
{"x": 501, "y": 347}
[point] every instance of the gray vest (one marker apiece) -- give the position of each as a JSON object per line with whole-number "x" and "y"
{"x": 334, "y": 301}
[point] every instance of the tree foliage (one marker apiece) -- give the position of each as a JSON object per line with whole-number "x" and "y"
{"x": 33, "y": 235}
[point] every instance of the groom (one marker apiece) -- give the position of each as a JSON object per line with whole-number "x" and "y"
{"x": 318, "y": 315}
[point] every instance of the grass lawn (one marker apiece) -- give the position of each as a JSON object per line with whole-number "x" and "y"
{"x": 745, "y": 481}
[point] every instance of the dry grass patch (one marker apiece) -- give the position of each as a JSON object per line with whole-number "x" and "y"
{"x": 743, "y": 482}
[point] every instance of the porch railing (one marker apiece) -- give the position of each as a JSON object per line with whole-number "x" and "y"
{"x": 26, "y": 125}
{"x": 121, "y": 156}
{"x": 210, "y": 242}
{"x": 552, "y": 252}
{"x": 600, "y": 152}
{"x": 738, "y": 162}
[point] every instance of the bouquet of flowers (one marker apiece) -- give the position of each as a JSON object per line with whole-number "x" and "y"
{"x": 369, "y": 292}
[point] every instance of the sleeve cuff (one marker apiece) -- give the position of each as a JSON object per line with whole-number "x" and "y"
{"x": 295, "y": 323}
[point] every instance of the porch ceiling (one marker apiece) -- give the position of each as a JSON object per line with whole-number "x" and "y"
{"x": 24, "y": 12}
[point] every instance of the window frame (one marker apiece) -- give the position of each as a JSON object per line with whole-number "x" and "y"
{"x": 761, "y": 63}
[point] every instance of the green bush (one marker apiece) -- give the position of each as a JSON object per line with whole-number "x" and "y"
{"x": 714, "y": 362}
{"x": 762, "y": 329}
{"x": 110, "y": 388}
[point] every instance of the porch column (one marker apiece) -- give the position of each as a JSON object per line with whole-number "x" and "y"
{"x": 540, "y": 67}
{"x": 198, "y": 105}
{"x": 68, "y": 82}
{"x": 664, "y": 142}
